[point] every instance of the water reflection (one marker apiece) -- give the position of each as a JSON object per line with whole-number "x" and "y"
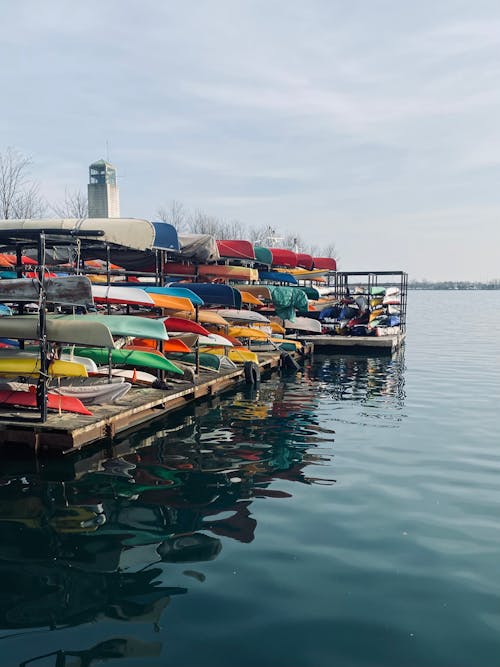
{"x": 92, "y": 538}
{"x": 361, "y": 378}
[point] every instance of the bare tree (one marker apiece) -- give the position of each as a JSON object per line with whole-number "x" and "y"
{"x": 201, "y": 223}
{"x": 19, "y": 195}
{"x": 175, "y": 214}
{"x": 330, "y": 251}
{"x": 75, "y": 205}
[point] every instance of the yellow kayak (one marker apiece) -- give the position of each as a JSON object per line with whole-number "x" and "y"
{"x": 237, "y": 354}
{"x": 30, "y": 366}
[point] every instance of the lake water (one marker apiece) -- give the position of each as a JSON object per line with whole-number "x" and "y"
{"x": 346, "y": 516}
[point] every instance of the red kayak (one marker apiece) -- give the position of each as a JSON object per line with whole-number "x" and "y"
{"x": 184, "y": 325}
{"x": 27, "y": 399}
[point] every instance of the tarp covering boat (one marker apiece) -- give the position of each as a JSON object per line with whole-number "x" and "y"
{"x": 236, "y": 249}
{"x": 198, "y": 247}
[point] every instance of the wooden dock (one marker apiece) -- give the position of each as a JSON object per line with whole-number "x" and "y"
{"x": 67, "y": 432}
{"x": 355, "y": 344}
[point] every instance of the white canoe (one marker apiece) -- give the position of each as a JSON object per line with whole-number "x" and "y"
{"x": 235, "y": 315}
{"x": 140, "y": 377}
{"x": 304, "y": 324}
{"x": 121, "y": 295}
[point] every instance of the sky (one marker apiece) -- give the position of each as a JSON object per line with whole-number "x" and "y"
{"x": 373, "y": 124}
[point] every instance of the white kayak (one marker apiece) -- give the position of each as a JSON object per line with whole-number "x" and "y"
{"x": 129, "y": 374}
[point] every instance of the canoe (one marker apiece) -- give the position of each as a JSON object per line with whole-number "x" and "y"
{"x": 177, "y": 303}
{"x": 184, "y": 325}
{"x": 33, "y": 351}
{"x": 87, "y": 382}
{"x": 207, "y": 360}
{"x": 133, "y": 232}
{"x": 178, "y": 292}
{"x": 214, "y": 294}
{"x": 79, "y": 332}
{"x": 211, "y": 317}
{"x": 27, "y": 399}
{"x": 129, "y": 374}
{"x": 247, "y": 332}
{"x": 129, "y": 358}
{"x": 236, "y": 249}
{"x": 128, "y": 296}
{"x": 304, "y": 324}
{"x": 262, "y": 292}
{"x": 211, "y": 271}
{"x": 246, "y": 297}
{"x": 64, "y": 290}
{"x": 327, "y": 263}
{"x": 120, "y": 325}
{"x": 277, "y": 277}
{"x": 171, "y": 345}
{"x": 242, "y": 315}
{"x": 30, "y": 367}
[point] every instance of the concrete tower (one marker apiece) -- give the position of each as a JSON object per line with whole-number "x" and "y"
{"x": 103, "y": 191}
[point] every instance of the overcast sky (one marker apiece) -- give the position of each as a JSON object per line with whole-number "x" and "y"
{"x": 371, "y": 124}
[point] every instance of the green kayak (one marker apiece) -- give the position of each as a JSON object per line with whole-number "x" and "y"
{"x": 211, "y": 361}
{"x": 128, "y": 358}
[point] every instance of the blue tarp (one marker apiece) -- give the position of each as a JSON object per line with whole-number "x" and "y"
{"x": 165, "y": 237}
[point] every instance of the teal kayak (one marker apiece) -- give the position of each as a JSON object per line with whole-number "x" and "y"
{"x": 128, "y": 358}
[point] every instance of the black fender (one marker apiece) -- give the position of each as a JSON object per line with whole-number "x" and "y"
{"x": 252, "y": 372}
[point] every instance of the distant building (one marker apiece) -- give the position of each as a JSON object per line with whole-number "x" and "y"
{"x": 103, "y": 196}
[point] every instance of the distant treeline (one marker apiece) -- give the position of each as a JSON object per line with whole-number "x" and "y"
{"x": 451, "y": 284}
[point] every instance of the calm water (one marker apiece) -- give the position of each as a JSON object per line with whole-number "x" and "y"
{"x": 348, "y": 516}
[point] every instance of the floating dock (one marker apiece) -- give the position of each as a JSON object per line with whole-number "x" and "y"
{"x": 388, "y": 344}
{"x": 67, "y": 432}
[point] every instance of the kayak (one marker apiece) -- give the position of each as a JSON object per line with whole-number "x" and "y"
{"x": 129, "y": 374}
{"x": 78, "y": 331}
{"x": 30, "y": 366}
{"x": 119, "y": 325}
{"x": 129, "y": 358}
{"x": 239, "y": 355}
{"x": 27, "y": 399}
{"x": 184, "y": 325}
{"x": 127, "y": 296}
